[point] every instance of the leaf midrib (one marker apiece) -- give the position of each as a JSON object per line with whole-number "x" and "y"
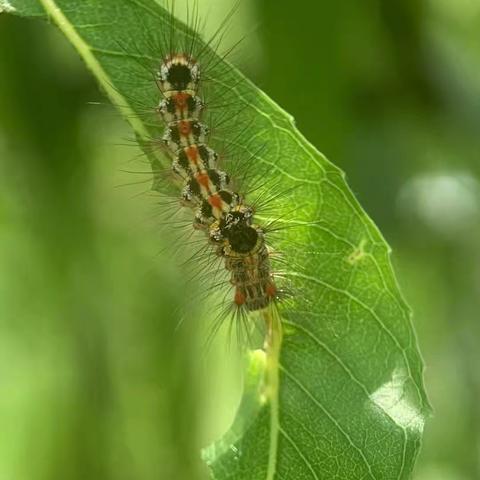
{"x": 52, "y": 9}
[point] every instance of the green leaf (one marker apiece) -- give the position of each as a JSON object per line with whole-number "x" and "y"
{"x": 339, "y": 391}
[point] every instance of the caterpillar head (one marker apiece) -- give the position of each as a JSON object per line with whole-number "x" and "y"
{"x": 238, "y": 230}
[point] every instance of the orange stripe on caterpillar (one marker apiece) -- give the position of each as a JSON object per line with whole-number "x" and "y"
{"x": 194, "y": 158}
{"x": 184, "y": 133}
{"x": 180, "y": 106}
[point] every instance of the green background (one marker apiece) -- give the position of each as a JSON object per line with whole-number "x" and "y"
{"x": 99, "y": 378}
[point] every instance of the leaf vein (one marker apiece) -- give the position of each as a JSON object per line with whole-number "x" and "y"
{"x": 299, "y": 452}
{"x": 330, "y": 417}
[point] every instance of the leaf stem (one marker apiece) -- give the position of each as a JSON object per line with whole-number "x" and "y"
{"x": 273, "y": 343}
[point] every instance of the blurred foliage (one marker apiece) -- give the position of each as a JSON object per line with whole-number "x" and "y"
{"x": 92, "y": 384}
{"x": 96, "y": 379}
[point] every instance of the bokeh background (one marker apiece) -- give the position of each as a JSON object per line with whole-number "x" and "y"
{"x": 99, "y": 377}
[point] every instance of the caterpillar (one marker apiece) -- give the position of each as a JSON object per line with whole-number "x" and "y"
{"x": 223, "y": 214}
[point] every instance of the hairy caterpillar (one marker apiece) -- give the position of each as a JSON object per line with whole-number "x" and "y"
{"x": 215, "y": 178}
{"x": 221, "y": 213}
